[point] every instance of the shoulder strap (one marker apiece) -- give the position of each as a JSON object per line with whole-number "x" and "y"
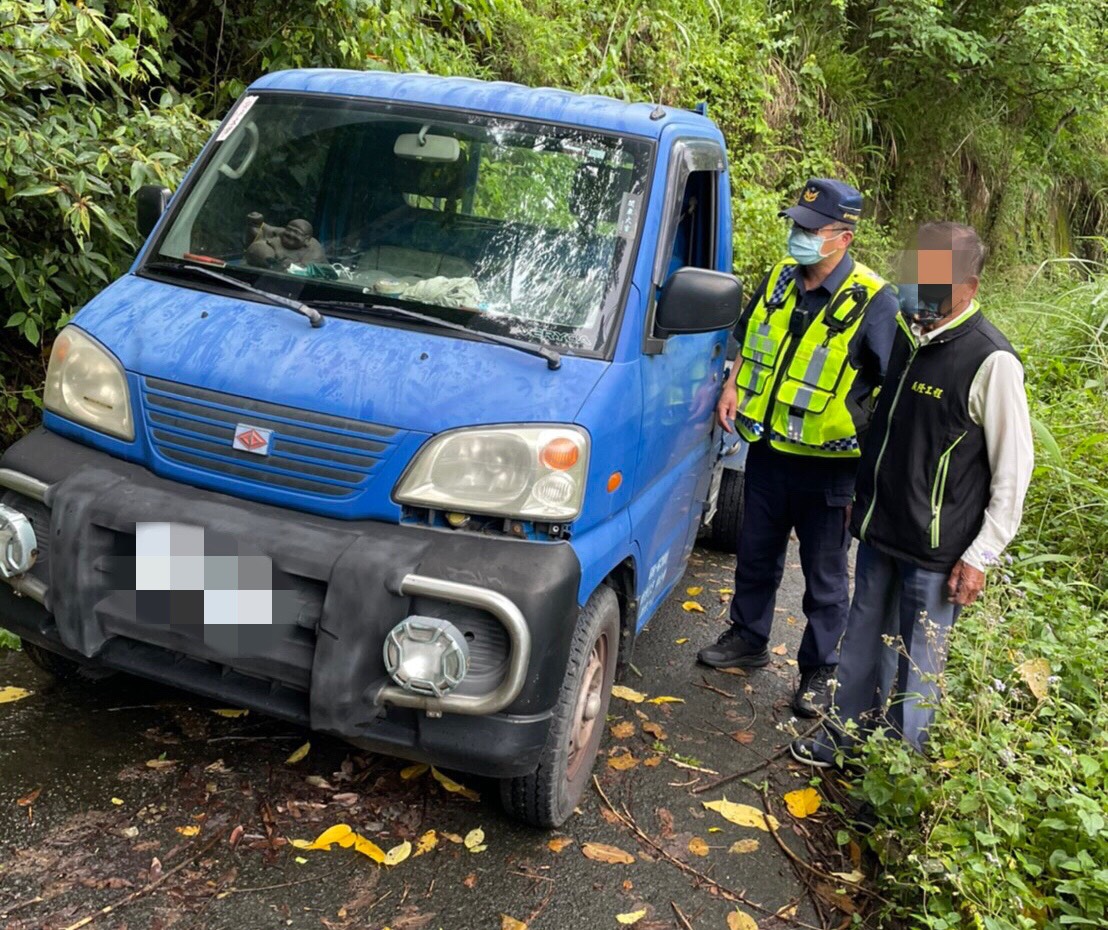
{"x": 780, "y": 278}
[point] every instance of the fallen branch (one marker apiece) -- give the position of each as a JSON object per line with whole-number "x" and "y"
{"x": 714, "y": 689}
{"x": 681, "y": 917}
{"x": 148, "y": 887}
{"x": 766, "y": 760}
{"x": 804, "y": 864}
{"x": 729, "y": 893}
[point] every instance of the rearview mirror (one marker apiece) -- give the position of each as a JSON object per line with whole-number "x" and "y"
{"x": 150, "y": 204}
{"x": 424, "y": 147}
{"x": 695, "y": 300}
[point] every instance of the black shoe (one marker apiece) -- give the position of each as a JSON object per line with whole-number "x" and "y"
{"x": 809, "y": 752}
{"x": 732, "y": 651}
{"x": 811, "y": 697}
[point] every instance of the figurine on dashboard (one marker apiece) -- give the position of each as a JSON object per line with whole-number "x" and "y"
{"x": 280, "y": 246}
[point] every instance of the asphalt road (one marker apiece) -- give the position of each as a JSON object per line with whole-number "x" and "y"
{"x": 154, "y": 843}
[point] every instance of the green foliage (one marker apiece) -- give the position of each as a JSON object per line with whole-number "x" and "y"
{"x": 83, "y": 123}
{"x": 1014, "y": 801}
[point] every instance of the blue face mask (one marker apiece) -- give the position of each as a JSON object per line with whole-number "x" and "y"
{"x": 923, "y": 303}
{"x": 806, "y": 247}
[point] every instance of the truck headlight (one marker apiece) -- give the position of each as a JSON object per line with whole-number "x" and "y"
{"x": 529, "y": 472}
{"x": 85, "y": 383}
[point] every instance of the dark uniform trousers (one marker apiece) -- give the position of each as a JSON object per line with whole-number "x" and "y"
{"x": 811, "y": 495}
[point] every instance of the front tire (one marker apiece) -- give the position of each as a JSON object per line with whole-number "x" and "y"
{"x": 62, "y": 668}
{"x": 724, "y": 533}
{"x": 547, "y": 796}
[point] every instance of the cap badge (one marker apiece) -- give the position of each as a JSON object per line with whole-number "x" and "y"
{"x": 811, "y": 195}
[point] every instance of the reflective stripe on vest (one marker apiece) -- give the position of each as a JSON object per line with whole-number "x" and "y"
{"x": 807, "y": 413}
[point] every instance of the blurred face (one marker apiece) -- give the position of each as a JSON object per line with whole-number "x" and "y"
{"x": 934, "y": 290}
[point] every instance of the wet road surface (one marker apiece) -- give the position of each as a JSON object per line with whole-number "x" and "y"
{"x": 150, "y": 803}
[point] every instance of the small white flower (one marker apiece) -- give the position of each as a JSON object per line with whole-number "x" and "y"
{"x": 999, "y": 686}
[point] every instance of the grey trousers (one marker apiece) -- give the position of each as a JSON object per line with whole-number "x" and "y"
{"x": 892, "y": 652}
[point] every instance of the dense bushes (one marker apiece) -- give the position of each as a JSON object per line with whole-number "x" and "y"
{"x": 1014, "y": 804}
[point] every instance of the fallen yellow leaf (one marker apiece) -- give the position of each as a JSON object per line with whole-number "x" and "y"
{"x": 654, "y": 729}
{"x": 780, "y": 649}
{"x": 298, "y": 754}
{"x": 11, "y": 693}
{"x": 454, "y": 787}
{"x": 1036, "y": 674}
{"x": 744, "y": 737}
{"x": 698, "y": 847}
{"x": 693, "y": 592}
{"x": 475, "y": 840}
{"x": 510, "y": 923}
{"x": 681, "y": 641}
{"x": 653, "y": 762}
{"x": 628, "y": 694}
{"x": 853, "y": 876}
{"x": 231, "y": 711}
{"x": 300, "y": 860}
{"x": 426, "y": 843}
{"x": 413, "y": 771}
{"x": 715, "y": 829}
{"x": 725, "y": 593}
{"x": 559, "y": 843}
{"x": 365, "y": 847}
{"x": 158, "y": 764}
{"x": 117, "y": 801}
{"x": 398, "y": 854}
{"x": 786, "y": 912}
{"x": 452, "y": 837}
{"x": 622, "y": 762}
{"x": 190, "y": 830}
{"x": 631, "y": 918}
{"x": 335, "y": 834}
{"x": 666, "y": 699}
{"x": 623, "y": 729}
{"x": 803, "y": 802}
{"x": 743, "y": 846}
{"x": 740, "y": 920}
{"x": 602, "y": 852}
{"x": 742, "y": 814}
{"x": 301, "y": 844}
{"x": 692, "y": 607}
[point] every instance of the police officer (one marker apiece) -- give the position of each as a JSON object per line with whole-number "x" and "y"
{"x": 814, "y": 342}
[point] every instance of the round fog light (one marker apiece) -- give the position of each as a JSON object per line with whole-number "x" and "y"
{"x": 18, "y": 546}
{"x": 426, "y": 655}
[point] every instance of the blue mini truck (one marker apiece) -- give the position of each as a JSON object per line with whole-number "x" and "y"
{"x": 401, "y": 425}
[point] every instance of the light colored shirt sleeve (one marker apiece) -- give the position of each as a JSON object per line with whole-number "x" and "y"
{"x": 998, "y": 404}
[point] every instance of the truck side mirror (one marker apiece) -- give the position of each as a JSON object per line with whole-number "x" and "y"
{"x": 695, "y": 300}
{"x": 150, "y": 204}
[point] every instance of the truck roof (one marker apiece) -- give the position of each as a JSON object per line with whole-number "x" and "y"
{"x": 543, "y": 103}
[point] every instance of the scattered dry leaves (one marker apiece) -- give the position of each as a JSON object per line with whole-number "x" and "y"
{"x": 231, "y": 711}
{"x": 692, "y": 607}
{"x": 628, "y": 694}
{"x": 454, "y": 787}
{"x": 632, "y": 917}
{"x": 426, "y": 843}
{"x": 190, "y": 830}
{"x": 740, "y": 920}
{"x": 10, "y": 693}
{"x": 655, "y": 729}
{"x": 742, "y": 814}
{"x": 1036, "y": 675}
{"x": 299, "y": 754}
{"x": 601, "y": 852}
{"x": 698, "y": 847}
{"x": 746, "y": 737}
{"x": 623, "y": 729}
{"x": 559, "y": 843}
{"x": 653, "y": 761}
{"x": 780, "y": 649}
{"x": 666, "y": 699}
{"x": 475, "y": 840}
{"x": 510, "y": 923}
{"x": 622, "y": 762}
{"x": 743, "y": 846}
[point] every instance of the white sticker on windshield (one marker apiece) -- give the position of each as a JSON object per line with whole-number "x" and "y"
{"x": 629, "y": 215}
{"x": 236, "y": 118}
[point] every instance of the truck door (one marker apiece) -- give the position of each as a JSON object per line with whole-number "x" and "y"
{"x": 680, "y": 377}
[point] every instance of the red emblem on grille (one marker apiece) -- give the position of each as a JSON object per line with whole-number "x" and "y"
{"x": 252, "y": 439}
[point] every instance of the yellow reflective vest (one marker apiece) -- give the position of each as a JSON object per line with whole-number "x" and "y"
{"x": 794, "y": 389}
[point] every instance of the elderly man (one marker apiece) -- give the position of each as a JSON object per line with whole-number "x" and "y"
{"x": 813, "y": 344}
{"x": 940, "y": 491}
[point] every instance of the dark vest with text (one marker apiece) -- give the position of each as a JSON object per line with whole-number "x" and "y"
{"x": 924, "y": 478}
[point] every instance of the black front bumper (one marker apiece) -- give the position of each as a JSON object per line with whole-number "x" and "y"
{"x": 323, "y": 668}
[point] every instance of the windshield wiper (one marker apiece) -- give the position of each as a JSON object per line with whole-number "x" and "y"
{"x": 553, "y": 359}
{"x": 277, "y": 300}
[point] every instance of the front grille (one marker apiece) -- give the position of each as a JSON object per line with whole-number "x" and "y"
{"x": 316, "y": 453}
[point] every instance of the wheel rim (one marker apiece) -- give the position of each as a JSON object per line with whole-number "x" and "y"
{"x": 586, "y": 714}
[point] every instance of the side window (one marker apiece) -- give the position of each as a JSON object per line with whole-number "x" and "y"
{"x": 694, "y": 241}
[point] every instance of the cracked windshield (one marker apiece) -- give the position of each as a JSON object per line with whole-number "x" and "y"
{"x": 502, "y": 226}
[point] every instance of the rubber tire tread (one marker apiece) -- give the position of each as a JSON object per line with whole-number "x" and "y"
{"x": 724, "y": 534}
{"x": 534, "y": 798}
